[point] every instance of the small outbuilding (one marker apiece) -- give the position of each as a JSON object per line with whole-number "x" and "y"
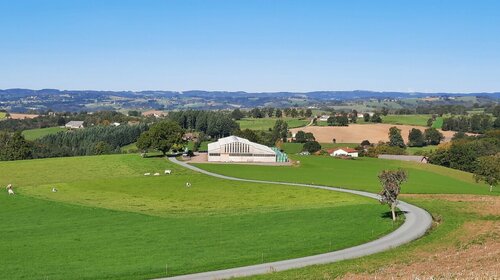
{"x": 343, "y": 152}
{"x": 74, "y": 124}
{"x": 421, "y": 159}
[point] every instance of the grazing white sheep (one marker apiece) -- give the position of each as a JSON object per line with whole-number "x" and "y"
{"x": 188, "y": 184}
{"x": 54, "y": 190}
{"x": 9, "y": 189}
{"x": 168, "y": 171}
{"x": 157, "y": 174}
{"x": 147, "y": 174}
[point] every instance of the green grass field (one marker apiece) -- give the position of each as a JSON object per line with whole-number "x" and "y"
{"x": 266, "y": 123}
{"x": 2, "y": 115}
{"x": 130, "y": 148}
{"x": 32, "y": 134}
{"x": 109, "y": 221}
{"x": 414, "y": 150}
{"x": 360, "y": 174}
{"x": 420, "y": 120}
{"x": 438, "y": 123}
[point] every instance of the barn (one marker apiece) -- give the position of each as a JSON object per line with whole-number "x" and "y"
{"x": 343, "y": 152}
{"x": 74, "y": 124}
{"x": 237, "y": 149}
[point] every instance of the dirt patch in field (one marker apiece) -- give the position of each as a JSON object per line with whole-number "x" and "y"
{"x": 474, "y": 252}
{"x": 355, "y": 133}
{"x": 17, "y": 116}
{"x": 476, "y": 256}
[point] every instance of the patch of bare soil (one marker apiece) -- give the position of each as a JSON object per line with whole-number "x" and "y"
{"x": 17, "y": 116}
{"x": 474, "y": 254}
{"x": 355, "y": 133}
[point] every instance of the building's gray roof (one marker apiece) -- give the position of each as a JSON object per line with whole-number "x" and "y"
{"x": 75, "y": 123}
{"x": 403, "y": 157}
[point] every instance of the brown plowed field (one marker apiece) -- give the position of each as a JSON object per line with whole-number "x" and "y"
{"x": 17, "y": 116}
{"x": 355, "y": 133}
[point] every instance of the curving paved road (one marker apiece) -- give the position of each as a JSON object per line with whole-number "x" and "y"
{"x": 416, "y": 224}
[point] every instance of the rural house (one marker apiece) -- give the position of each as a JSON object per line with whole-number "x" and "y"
{"x": 343, "y": 152}
{"x": 74, "y": 124}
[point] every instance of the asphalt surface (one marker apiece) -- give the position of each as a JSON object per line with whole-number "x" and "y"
{"x": 416, "y": 224}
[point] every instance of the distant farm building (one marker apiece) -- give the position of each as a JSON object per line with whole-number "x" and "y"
{"x": 420, "y": 159}
{"x": 236, "y": 149}
{"x": 154, "y": 113}
{"x": 74, "y": 124}
{"x": 343, "y": 152}
{"x": 323, "y": 118}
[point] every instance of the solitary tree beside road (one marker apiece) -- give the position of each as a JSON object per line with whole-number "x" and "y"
{"x": 391, "y": 181}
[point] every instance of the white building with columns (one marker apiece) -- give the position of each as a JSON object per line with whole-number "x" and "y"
{"x": 236, "y": 149}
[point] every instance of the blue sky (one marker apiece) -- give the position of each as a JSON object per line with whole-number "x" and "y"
{"x": 252, "y": 45}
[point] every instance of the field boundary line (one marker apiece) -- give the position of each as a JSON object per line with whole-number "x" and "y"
{"x": 417, "y": 222}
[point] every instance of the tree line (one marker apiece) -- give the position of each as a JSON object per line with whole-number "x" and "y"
{"x": 476, "y": 123}
{"x": 464, "y": 151}
{"x": 95, "y": 140}
{"x": 60, "y": 119}
{"x": 214, "y": 124}
{"x": 270, "y": 112}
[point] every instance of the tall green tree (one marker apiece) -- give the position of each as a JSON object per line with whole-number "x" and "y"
{"x": 366, "y": 117}
{"x": 279, "y": 113}
{"x": 311, "y": 147}
{"x": 308, "y": 113}
{"x": 280, "y": 131}
{"x": 161, "y": 136}
{"x": 270, "y": 112}
{"x": 395, "y": 138}
{"x": 376, "y": 118}
{"x": 14, "y": 146}
{"x": 236, "y": 114}
{"x": 432, "y": 136}
{"x": 416, "y": 138}
{"x": 488, "y": 170}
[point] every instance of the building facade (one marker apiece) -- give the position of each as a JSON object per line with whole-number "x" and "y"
{"x": 236, "y": 149}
